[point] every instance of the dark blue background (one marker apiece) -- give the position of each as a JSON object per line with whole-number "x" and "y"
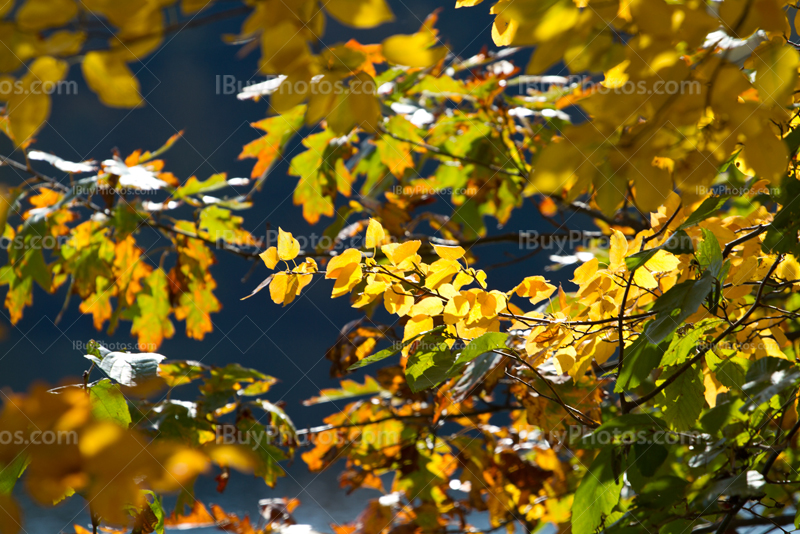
{"x": 179, "y": 84}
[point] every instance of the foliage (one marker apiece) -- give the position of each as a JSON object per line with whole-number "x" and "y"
{"x": 658, "y": 392}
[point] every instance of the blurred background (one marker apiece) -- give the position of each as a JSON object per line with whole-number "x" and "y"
{"x": 179, "y": 83}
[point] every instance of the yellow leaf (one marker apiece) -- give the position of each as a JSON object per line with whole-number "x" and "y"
{"x": 535, "y": 288}
{"x": 181, "y": 466}
{"x": 564, "y": 359}
{"x": 348, "y": 277}
{"x": 616, "y": 77}
{"x": 283, "y": 288}
{"x": 396, "y": 300}
{"x": 414, "y": 326}
{"x": 480, "y": 277}
{"x": 360, "y": 13}
{"x": 556, "y": 167}
{"x": 277, "y": 287}
{"x": 108, "y": 76}
{"x": 456, "y": 309}
{"x": 371, "y": 292}
{"x": 462, "y": 279}
{"x": 356, "y": 107}
{"x": 270, "y": 257}
{"x": 767, "y": 155}
{"x": 745, "y": 272}
{"x": 603, "y": 350}
{"x": 398, "y": 252}
{"x": 429, "y": 306}
{"x": 662, "y": 262}
{"x": 288, "y": 246}
{"x": 63, "y": 43}
{"x": 644, "y": 279}
{"x": 560, "y": 18}
{"x": 42, "y": 14}
{"x": 375, "y": 234}
{"x": 585, "y": 273}
{"x": 467, "y": 3}
{"x": 618, "y": 250}
{"x": 448, "y": 252}
{"x": 240, "y": 458}
{"x": 349, "y": 257}
{"x": 789, "y": 269}
{"x": 29, "y": 108}
{"x": 776, "y": 72}
{"x": 653, "y": 184}
{"x": 413, "y": 50}
{"x": 26, "y": 114}
{"x": 796, "y": 23}
{"x": 439, "y": 272}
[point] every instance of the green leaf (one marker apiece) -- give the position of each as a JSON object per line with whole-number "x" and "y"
{"x": 730, "y": 372}
{"x": 268, "y": 455}
{"x": 793, "y": 140}
{"x": 641, "y": 357}
{"x": 151, "y": 314}
{"x": 649, "y": 457}
{"x": 709, "y": 253}
{"x": 235, "y": 378}
{"x": 348, "y": 390}
{"x": 597, "y": 494}
{"x": 157, "y": 507}
{"x": 709, "y": 207}
{"x": 480, "y": 345}
{"x": 662, "y": 491}
{"x": 429, "y": 364}
{"x": 682, "y": 345}
{"x": 10, "y": 473}
{"x": 391, "y": 351}
{"x": 108, "y": 403}
{"x": 674, "y": 306}
{"x": 193, "y": 186}
{"x": 178, "y": 420}
{"x": 322, "y": 175}
{"x": 782, "y": 234}
{"x": 221, "y": 225}
{"x": 622, "y": 428}
{"x": 634, "y": 261}
{"x": 683, "y": 399}
{"x": 679, "y": 243}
